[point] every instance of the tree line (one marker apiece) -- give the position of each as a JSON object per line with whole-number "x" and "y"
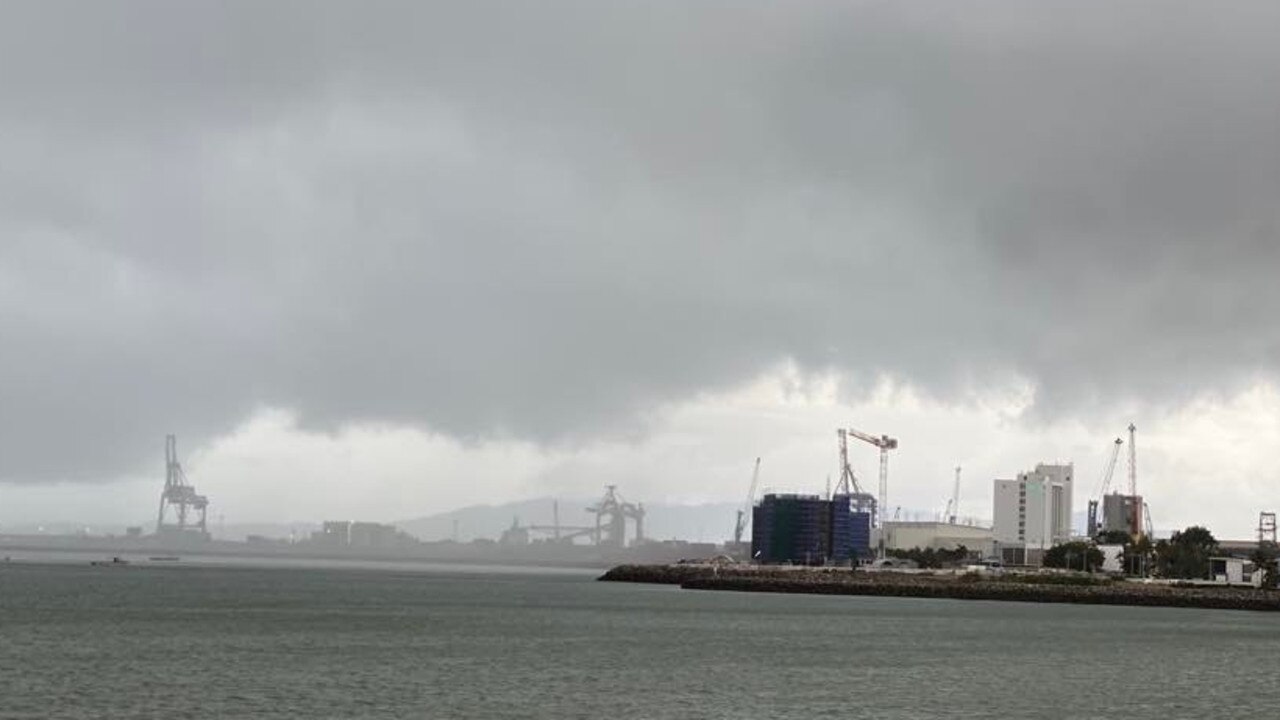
{"x": 1185, "y": 555}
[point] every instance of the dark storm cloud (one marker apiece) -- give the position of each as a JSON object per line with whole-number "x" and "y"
{"x": 542, "y": 219}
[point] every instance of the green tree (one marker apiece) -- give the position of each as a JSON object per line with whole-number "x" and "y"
{"x": 934, "y": 558}
{"x": 1076, "y": 555}
{"x": 1114, "y": 537}
{"x": 1264, "y": 559}
{"x": 1186, "y": 554}
{"x": 1137, "y": 556}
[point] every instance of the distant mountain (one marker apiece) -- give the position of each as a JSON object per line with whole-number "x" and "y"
{"x": 706, "y": 523}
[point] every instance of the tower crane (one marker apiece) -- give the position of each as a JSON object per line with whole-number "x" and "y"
{"x": 745, "y": 512}
{"x": 953, "y": 505}
{"x": 848, "y": 484}
{"x": 885, "y": 443}
{"x": 1104, "y": 484}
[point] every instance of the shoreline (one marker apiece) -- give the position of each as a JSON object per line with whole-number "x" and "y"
{"x": 574, "y": 556}
{"x": 1079, "y": 589}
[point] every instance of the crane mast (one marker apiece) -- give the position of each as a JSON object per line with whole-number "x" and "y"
{"x": 1111, "y": 466}
{"x": 1104, "y": 484}
{"x": 1133, "y": 461}
{"x": 953, "y": 504}
{"x": 848, "y": 484}
{"x": 1136, "y": 527}
{"x": 885, "y": 443}
{"x": 745, "y": 512}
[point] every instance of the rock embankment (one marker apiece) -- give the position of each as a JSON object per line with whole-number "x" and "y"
{"x": 1010, "y": 587}
{"x": 656, "y": 574}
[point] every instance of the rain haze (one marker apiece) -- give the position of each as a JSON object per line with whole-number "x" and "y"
{"x": 384, "y": 260}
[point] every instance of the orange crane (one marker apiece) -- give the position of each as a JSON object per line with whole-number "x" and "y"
{"x": 885, "y": 443}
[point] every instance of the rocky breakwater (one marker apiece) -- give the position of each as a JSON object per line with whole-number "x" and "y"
{"x": 1018, "y": 587}
{"x": 658, "y": 574}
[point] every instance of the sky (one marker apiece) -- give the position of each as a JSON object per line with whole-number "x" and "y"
{"x": 385, "y": 259}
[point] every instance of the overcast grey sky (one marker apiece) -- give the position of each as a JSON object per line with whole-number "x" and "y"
{"x": 514, "y": 233}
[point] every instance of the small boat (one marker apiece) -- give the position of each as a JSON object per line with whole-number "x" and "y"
{"x": 164, "y": 558}
{"x": 113, "y": 562}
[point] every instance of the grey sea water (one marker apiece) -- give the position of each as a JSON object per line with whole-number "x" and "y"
{"x": 245, "y": 642}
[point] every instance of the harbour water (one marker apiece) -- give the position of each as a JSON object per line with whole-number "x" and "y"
{"x": 226, "y": 641}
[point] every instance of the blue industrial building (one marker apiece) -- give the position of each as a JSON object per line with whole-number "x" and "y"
{"x": 808, "y": 530}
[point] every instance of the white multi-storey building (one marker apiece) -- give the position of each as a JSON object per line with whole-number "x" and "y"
{"x": 1034, "y": 511}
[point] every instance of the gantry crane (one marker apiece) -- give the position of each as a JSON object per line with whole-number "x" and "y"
{"x": 1104, "y": 484}
{"x": 189, "y": 507}
{"x": 745, "y": 512}
{"x": 885, "y": 443}
{"x": 613, "y": 531}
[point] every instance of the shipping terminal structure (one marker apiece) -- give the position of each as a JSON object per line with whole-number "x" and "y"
{"x": 182, "y": 510}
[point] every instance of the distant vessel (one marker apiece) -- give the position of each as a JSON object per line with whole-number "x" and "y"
{"x": 164, "y": 558}
{"x": 109, "y": 563}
